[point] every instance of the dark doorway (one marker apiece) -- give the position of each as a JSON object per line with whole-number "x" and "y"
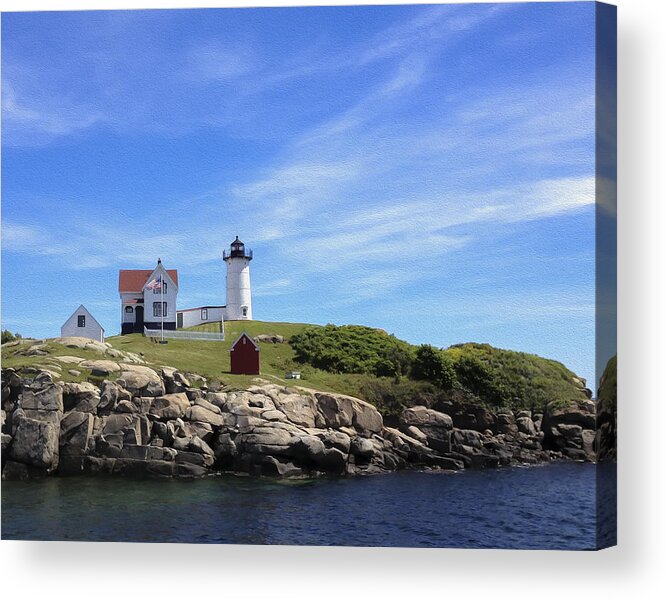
{"x": 138, "y": 325}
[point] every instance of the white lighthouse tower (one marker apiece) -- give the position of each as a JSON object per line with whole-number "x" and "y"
{"x": 239, "y": 295}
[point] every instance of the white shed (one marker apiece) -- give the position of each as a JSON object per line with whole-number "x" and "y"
{"x": 82, "y": 324}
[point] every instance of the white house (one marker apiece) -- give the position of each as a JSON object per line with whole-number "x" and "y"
{"x": 82, "y": 324}
{"x": 146, "y": 303}
{"x": 189, "y": 317}
{"x": 239, "y": 292}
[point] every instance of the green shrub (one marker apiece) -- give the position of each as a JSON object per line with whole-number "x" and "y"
{"x": 8, "y": 336}
{"x": 352, "y": 349}
{"x": 431, "y": 364}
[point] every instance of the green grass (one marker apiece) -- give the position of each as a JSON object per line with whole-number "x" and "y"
{"x": 211, "y": 359}
{"x": 10, "y": 359}
{"x": 526, "y": 380}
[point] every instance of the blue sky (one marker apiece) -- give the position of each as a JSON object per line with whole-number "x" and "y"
{"x": 424, "y": 169}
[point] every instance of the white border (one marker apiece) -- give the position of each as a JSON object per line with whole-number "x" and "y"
{"x": 633, "y": 570}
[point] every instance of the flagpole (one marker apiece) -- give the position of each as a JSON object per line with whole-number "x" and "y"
{"x": 162, "y": 301}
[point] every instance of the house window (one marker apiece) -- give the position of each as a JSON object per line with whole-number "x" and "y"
{"x": 81, "y": 320}
{"x": 244, "y": 311}
{"x": 159, "y": 308}
{"x": 204, "y": 314}
{"x": 164, "y": 288}
{"x": 129, "y": 309}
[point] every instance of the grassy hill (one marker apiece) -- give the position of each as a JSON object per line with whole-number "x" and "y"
{"x": 355, "y": 360}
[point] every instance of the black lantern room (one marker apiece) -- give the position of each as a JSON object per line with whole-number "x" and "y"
{"x": 238, "y": 250}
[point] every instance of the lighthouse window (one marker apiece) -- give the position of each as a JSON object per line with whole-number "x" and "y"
{"x": 204, "y": 314}
{"x": 245, "y": 311}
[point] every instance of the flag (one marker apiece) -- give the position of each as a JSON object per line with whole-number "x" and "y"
{"x": 154, "y": 284}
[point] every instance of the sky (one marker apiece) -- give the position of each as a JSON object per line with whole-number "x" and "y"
{"x": 428, "y": 170}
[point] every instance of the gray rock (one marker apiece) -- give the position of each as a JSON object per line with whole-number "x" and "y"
{"x": 42, "y": 397}
{"x": 140, "y": 380}
{"x": 100, "y": 368}
{"x": 116, "y": 423}
{"x": 420, "y": 416}
{"x": 208, "y": 406}
{"x": 170, "y": 406}
{"x": 126, "y": 406}
{"x": 76, "y": 430}
{"x": 36, "y": 443}
{"x": 199, "y": 413}
{"x": 363, "y": 449}
{"x": 300, "y": 410}
{"x": 526, "y": 425}
{"x": 416, "y": 433}
{"x": 337, "y": 411}
{"x": 272, "y": 467}
{"x": 82, "y": 397}
{"x": 335, "y": 439}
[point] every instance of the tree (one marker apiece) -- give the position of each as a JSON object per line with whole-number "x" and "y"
{"x": 431, "y": 364}
{"x": 8, "y": 336}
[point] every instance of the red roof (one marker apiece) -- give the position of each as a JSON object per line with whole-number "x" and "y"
{"x": 133, "y": 280}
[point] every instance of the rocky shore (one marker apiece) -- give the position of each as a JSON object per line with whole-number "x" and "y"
{"x": 163, "y": 423}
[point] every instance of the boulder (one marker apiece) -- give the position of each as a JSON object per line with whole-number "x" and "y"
{"x": 140, "y": 380}
{"x": 506, "y": 424}
{"x": 218, "y": 399}
{"x": 82, "y": 397}
{"x": 466, "y": 437}
{"x": 420, "y": 416}
{"x": 208, "y": 406}
{"x": 308, "y": 449}
{"x": 170, "y": 406}
{"x": 526, "y": 425}
{"x": 42, "y": 397}
{"x": 116, "y": 423}
{"x": 84, "y": 343}
{"x": 337, "y": 410}
{"x": 416, "y": 433}
{"x": 363, "y": 449}
{"x": 36, "y": 443}
{"x": 194, "y": 458}
{"x": 335, "y": 439}
{"x": 225, "y": 449}
{"x": 300, "y": 410}
{"x": 272, "y": 467}
{"x": 366, "y": 417}
{"x": 76, "y": 430}
{"x": 267, "y": 435}
{"x": 203, "y": 415}
{"x": 110, "y": 396}
{"x": 100, "y": 368}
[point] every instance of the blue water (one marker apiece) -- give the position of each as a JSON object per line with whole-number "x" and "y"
{"x": 551, "y": 506}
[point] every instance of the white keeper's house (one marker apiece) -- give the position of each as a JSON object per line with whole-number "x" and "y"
{"x": 82, "y": 324}
{"x": 146, "y": 303}
{"x": 143, "y": 302}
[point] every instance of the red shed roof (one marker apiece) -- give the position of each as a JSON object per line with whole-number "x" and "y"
{"x": 240, "y": 337}
{"x": 133, "y": 280}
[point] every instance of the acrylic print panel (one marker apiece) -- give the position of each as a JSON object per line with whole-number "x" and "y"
{"x": 320, "y": 275}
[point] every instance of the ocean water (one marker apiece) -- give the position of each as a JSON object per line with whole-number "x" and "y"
{"x": 550, "y": 506}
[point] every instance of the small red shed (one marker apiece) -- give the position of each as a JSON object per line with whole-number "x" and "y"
{"x": 244, "y": 356}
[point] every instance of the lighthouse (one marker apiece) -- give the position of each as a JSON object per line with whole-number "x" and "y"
{"x": 239, "y": 295}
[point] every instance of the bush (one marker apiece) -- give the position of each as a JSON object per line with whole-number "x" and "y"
{"x": 352, "y": 349}
{"x": 431, "y": 364}
{"x": 8, "y": 336}
{"x": 515, "y": 380}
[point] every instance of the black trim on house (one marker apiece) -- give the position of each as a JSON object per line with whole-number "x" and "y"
{"x": 170, "y": 325}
